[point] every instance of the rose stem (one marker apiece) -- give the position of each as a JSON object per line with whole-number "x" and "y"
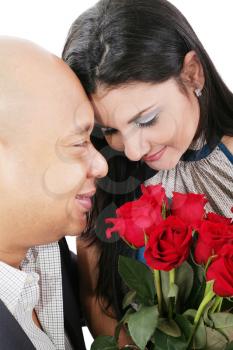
{"x": 171, "y": 283}
{"x": 157, "y": 282}
{"x": 200, "y": 311}
{"x": 217, "y": 304}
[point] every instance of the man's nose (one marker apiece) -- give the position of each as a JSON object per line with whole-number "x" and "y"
{"x": 98, "y": 166}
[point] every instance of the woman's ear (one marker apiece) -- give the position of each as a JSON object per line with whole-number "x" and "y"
{"x": 192, "y": 74}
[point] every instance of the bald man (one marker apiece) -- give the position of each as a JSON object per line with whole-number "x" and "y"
{"x": 48, "y": 170}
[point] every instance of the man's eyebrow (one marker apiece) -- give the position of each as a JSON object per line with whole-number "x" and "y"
{"x": 82, "y": 129}
{"x": 139, "y": 114}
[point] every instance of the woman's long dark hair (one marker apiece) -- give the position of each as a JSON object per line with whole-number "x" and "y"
{"x": 126, "y": 41}
{"x": 122, "y": 184}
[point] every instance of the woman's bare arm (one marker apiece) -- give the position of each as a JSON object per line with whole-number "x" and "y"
{"x": 99, "y": 323}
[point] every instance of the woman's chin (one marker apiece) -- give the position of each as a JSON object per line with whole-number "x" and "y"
{"x": 163, "y": 166}
{"x": 167, "y": 163}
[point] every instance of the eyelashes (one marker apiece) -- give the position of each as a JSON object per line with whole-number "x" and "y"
{"x": 108, "y": 131}
{"x": 146, "y": 124}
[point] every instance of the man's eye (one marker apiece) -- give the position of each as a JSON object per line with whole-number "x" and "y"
{"x": 108, "y": 131}
{"x": 81, "y": 144}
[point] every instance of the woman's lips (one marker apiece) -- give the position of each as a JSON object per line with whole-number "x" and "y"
{"x": 155, "y": 156}
{"x": 85, "y": 200}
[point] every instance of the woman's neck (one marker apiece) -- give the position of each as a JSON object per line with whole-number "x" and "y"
{"x": 228, "y": 142}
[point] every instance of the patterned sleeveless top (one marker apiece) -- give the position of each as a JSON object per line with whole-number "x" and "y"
{"x": 202, "y": 171}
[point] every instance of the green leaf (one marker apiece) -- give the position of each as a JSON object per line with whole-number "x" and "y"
{"x": 215, "y": 340}
{"x": 175, "y": 344}
{"x": 198, "y": 289}
{"x": 229, "y": 346}
{"x": 129, "y": 298}
{"x": 184, "y": 276}
{"x": 104, "y": 343}
{"x": 223, "y": 321}
{"x": 169, "y": 327}
{"x": 165, "y": 342}
{"x": 139, "y": 278}
{"x": 199, "y": 340}
{"x": 123, "y": 321}
{"x": 190, "y": 314}
{"x": 125, "y": 318}
{"x": 184, "y": 279}
{"x": 142, "y": 325}
{"x": 185, "y": 326}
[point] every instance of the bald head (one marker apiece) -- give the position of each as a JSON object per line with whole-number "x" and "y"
{"x": 29, "y": 76}
{"x": 25, "y": 67}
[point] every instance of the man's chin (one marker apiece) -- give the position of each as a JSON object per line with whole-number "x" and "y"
{"x": 77, "y": 228}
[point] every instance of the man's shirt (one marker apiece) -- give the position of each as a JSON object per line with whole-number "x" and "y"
{"x": 37, "y": 285}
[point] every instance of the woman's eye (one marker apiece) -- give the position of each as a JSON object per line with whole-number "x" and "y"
{"x": 147, "y": 123}
{"x": 108, "y": 131}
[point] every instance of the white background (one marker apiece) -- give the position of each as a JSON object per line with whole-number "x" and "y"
{"x": 46, "y": 22}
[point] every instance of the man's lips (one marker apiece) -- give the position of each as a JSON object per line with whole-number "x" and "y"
{"x": 155, "y": 156}
{"x": 85, "y": 199}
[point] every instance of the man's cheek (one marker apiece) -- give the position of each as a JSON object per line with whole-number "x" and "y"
{"x": 61, "y": 179}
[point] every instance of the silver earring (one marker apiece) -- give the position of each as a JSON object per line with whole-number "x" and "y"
{"x": 198, "y": 92}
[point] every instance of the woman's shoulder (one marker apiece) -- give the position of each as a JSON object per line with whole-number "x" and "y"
{"x": 226, "y": 146}
{"x": 228, "y": 141}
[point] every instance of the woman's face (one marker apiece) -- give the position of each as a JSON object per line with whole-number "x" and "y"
{"x": 152, "y": 122}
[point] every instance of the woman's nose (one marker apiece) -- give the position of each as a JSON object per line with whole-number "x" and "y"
{"x": 135, "y": 150}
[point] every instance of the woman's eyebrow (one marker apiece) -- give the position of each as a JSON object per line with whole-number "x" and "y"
{"x": 135, "y": 117}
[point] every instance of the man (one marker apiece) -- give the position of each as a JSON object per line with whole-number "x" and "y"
{"x": 48, "y": 169}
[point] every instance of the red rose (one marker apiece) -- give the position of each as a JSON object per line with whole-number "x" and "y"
{"x": 213, "y": 217}
{"x": 136, "y": 217}
{"x": 211, "y": 238}
{"x": 169, "y": 244}
{"x": 127, "y": 230}
{"x": 189, "y": 207}
{"x": 155, "y": 194}
{"x": 221, "y": 271}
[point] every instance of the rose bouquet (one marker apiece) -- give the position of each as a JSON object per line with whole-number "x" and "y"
{"x": 180, "y": 297}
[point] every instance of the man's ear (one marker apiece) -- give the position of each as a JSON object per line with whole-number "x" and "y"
{"x": 192, "y": 74}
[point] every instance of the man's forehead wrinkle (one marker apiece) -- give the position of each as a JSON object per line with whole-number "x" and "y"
{"x": 81, "y": 126}
{"x": 83, "y": 109}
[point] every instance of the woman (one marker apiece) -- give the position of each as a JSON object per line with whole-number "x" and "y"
{"x": 159, "y": 100}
